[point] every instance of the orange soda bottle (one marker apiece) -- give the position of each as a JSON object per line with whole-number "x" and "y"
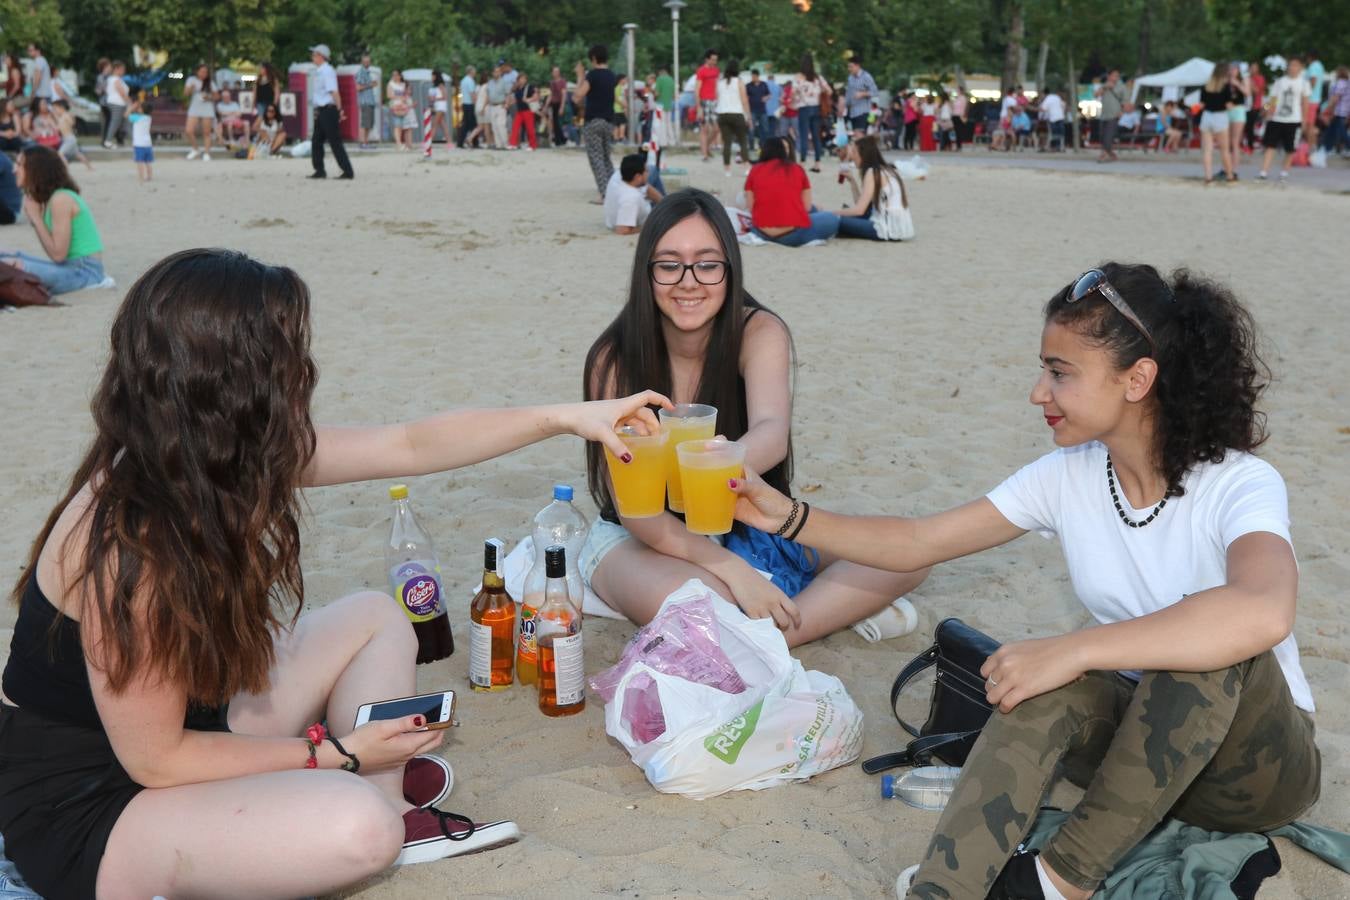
{"x": 562, "y": 666}
{"x": 492, "y": 625}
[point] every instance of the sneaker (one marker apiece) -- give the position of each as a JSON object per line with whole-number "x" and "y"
{"x": 430, "y": 834}
{"x": 106, "y": 284}
{"x": 107, "y": 145}
{"x": 427, "y": 780}
{"x": 206, "y": 157}
{"x": 193, "y": 154}
{"x": 905, "y": 881}
{"x": 346, "y": 176}
{"x": 1261, "y": 176}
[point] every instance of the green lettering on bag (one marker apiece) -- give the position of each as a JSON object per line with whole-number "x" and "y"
{"x": 726, "y": 742}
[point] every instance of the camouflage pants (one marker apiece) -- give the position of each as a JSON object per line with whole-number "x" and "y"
{"x": 1225, "y": 750}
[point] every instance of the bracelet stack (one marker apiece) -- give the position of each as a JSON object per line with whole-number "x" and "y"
{"x": 792, "y": 517}
{"x": 315, "y": 735}
{"x": 801, "y": 523}
{"x": 799, "y": 508}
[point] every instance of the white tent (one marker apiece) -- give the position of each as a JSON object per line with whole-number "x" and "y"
{"x": 1192, "y": 72}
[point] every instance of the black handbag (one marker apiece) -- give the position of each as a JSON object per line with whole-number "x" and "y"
{"x": 958, "y": 710}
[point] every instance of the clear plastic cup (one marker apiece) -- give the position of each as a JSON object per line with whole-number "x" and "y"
{"x": 640, "y": 485}
{"x": 686, "y": 422}
{"x": 705, "y": 469}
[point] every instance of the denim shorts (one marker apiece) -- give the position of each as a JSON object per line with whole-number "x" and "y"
{"x": 143, "y": 154}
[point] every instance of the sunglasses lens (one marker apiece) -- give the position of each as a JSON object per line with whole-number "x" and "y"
{"x": 1086, "y": 284}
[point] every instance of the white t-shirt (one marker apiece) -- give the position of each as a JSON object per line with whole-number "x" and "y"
{"x": 625, "y": 204}
{"x": 729, "y": 96}
{"x": 325, "y": 85}
{"x": 140, "y": 130}
{"x": 200, "y": 106}
{"x": 228, "y": 110}
{"x": 1289, "y": 95}
{"x": 111, "y": 95}
{"x": 1053, "y": 108}
{"x": 1121, "y": 573}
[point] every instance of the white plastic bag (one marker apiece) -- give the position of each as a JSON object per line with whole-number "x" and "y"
{"x": 788, "y": 725}
{"x": 913, "y": 169}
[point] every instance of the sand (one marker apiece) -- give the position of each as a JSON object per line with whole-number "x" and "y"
{"x": 483, "y": 280}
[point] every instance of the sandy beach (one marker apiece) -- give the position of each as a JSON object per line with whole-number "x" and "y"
{"x": 482, "y": 279}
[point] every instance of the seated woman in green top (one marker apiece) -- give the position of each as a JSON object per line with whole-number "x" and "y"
{"x": 64, "y": 225}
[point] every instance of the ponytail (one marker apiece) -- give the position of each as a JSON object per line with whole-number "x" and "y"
{"x": 1210, "y": 373}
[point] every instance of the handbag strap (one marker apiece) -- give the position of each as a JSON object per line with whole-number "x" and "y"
{"x": 918, "y": 753}
{"x": 924, "y": 660}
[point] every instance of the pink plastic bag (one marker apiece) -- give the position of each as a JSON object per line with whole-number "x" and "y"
{"x": 681, "y": 641}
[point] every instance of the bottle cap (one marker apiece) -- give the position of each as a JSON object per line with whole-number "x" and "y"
{"x": 398, "y": 492}
{"x": 888, "y": 786}
{"x": 562, "y": 492}
{"x": 492, "y": 555}
{"x": 555, "y": 561}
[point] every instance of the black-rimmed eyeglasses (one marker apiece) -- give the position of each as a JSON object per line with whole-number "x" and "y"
{"x": 668, "y": 272}
{"x": 1095, "y": 280}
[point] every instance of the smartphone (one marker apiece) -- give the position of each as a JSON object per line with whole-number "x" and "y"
{"x": 437, "y": 708}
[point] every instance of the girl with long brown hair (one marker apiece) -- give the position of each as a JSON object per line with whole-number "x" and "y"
{"x": 880, "y": 209}
{"x": 153, "y": 734}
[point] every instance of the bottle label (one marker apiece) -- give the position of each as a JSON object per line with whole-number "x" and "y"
{"x": 480, "y": 654}
{"x": 570, "y": 669}
{"x": 529, "y": 625}
{"x": 418, "y": 588}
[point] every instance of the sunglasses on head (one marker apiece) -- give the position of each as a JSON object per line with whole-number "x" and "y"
{"x": 1095, "y": 280}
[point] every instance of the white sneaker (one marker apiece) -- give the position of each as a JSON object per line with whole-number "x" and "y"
{"x": 106, "y": 284}
{"x": 107, "y": 145}
{"x": 905, "y": 881}
{"x": 193, "y": 154}
{"x": 206, "y": 157}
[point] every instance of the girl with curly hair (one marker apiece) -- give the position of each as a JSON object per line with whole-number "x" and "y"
{"x": 1186, "y": 698}
{"x": 153, "y": 737}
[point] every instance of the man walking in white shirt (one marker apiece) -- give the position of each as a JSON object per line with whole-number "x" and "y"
{"x": 328, "y": 115}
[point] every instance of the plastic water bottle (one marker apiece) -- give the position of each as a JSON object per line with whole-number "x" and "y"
{"x": 558, "y": 524}
{"x": 927, "y": 787}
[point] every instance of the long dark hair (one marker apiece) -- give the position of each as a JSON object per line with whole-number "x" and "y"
{"x": 1210, "y": 374}
{"x": 631, "y": 353}
{"x": 776, "y": 148}
{"x": 44, "y": 173}
{"x": 732, "y": 69}
{"x": 808, "y": 67}
{"x": 871, "y": 159}
{"x": 202, "y": 433}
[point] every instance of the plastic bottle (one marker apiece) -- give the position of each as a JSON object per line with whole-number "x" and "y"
{"x": 562, "y": 665}
{"x": 415, "y": 580}
{"x": 562, "y": 524}
{"x": 492, "y": 622}
{"x": 927, "y": 787}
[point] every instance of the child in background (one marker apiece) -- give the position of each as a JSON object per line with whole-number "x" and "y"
{"x": 142, "y": 145}
{"x": 70, "y": 145}
{"x": 1021, "y": 126}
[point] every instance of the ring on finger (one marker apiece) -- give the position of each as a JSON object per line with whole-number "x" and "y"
{"x": 992, "y": 682}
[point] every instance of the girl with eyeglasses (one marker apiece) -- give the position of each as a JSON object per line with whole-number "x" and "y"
{"x": 1186, "y": 697}
{"x": 693, "y": 332}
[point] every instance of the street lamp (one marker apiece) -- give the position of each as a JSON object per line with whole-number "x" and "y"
{"x": 675, "y": 6}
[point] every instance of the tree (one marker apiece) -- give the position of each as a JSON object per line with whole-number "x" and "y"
{"x": 300, "y": 24}
{"x": 407, "y": 33}
{"x": 34, "y": 21}
{"x": 201, "y": 30}
{"x": 94, "y": 29}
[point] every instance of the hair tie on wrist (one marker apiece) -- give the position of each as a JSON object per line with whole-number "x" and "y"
{"x": 806, "y": 511}
{"x": 352, "y": 764}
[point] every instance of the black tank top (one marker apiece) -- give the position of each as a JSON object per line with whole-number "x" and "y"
{"x": 46, "y": 673}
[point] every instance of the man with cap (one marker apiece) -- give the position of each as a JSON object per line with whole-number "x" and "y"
{"x": 328, "y": 114}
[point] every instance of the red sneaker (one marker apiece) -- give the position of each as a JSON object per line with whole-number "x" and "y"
{"x": 430, "y": 834}
{"x": 427, "y": 780}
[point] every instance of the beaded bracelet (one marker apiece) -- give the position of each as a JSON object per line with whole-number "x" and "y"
{"x": 792, "y": 517}
{"x": 806, "y": 511}
{"x": 314, "y": 736}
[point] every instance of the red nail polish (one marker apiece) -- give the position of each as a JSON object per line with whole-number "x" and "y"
{"x": 627, "y": 457}
{"x": 732, "y": 484}
{"x": 419, "y": 721}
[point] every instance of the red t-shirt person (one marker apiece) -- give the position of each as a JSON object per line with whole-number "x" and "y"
{"x": 777, "y": 186}
{"x": 707, "y": 81}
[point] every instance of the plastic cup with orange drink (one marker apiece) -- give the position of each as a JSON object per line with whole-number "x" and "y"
{"x": 640, "y": 485}
{"x": 686, "y": 422}
{"x": 706, "y": 467}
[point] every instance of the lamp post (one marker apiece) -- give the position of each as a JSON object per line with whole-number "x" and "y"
{"x": 675, "y": 6}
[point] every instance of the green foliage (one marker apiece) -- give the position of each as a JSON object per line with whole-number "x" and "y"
{"x": 406, "y": 33}
{"x": 193, "y": 31}
{"x": 25, "y": 21}
{"x": 300, "y": 24}
{"x": 94, "y": 29}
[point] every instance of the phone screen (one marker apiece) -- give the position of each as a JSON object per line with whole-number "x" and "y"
{"x": 428, "y": 705}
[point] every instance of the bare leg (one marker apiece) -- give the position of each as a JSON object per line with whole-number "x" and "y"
{"x": 191, "y": 129}
{"x": 355, "y": 650}
{"x": 282, "y": 834}
{"x": 1207, "y": 154}
{"x": 1226, "y": 155}
{"x": 1266, "y": 158}
{"x": 845, "y": 593}
{"x": 635, "y": 579}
